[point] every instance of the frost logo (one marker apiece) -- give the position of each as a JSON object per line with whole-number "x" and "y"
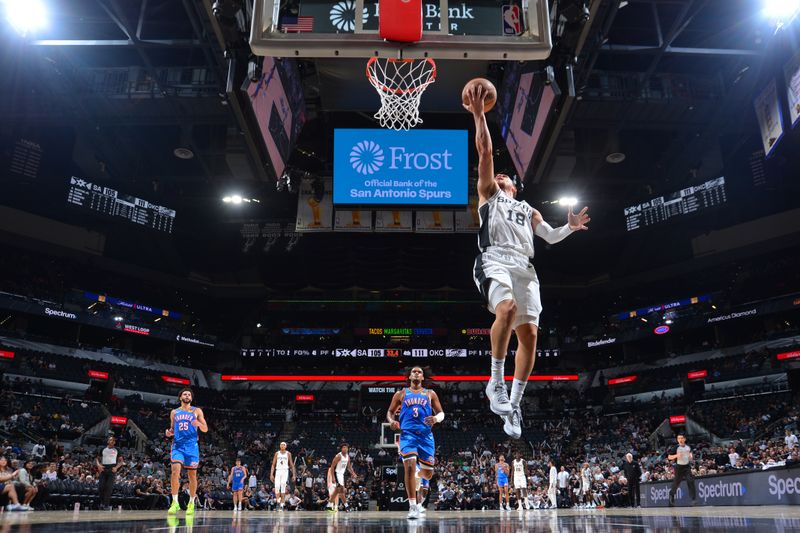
{"x": 366, "y": 157}
{"x": 343, "y": 15}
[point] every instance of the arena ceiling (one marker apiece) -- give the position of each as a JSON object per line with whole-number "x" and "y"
{"x": 112, "y": 88}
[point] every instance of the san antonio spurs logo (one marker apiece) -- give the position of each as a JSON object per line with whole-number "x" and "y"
{"x": 343, "y": 15}
{"x": 366, "y": 157}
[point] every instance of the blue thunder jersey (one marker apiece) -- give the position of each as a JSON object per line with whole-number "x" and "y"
{"x": 183, "y": 429}
{"x": 238, "y": 474}
{"x": 415, "y": 407}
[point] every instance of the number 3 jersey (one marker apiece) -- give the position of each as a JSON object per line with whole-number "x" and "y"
{"x": 507, "y": 224}
{"x": 415, "y": 407}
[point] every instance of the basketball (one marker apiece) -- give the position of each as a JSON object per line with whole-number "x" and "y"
{"x": 491, "y": 93}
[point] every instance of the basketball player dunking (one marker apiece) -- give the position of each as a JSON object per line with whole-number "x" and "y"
{"x": 521, "y": 481}
{"x": 184, "y": 423}
{"x": 236, "y": 483}
{"x": 336, "y": 488}
{"x": 279, "y": 473}
{"x": 501, "y": 470}
{"x": 419, "y": 411}
{"x": 504, "y": 270}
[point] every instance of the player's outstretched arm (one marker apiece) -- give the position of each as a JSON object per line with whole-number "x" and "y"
{"x": 200, "y": 421}
{"x": 487, "y": 185}
{"x": 553, "y": 235}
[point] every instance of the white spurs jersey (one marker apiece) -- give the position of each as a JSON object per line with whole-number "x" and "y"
{"x": 283, "y": 461}
{"x": 341, "y": 466}
{"x": 519, "y": 468}
{"x": 506, "y": 223}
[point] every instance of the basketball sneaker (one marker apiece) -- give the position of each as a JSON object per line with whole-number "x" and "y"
{"x": 497, "y": 393}
{"x": 421, "y": 510}
{"x": 190, "y": 508}
{"x": 513, "y": 423}
{"x": 174, "y": 508}
{"x": 413, "y": 513}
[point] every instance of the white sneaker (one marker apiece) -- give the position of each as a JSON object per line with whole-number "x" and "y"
{"x": 14, "y": 507}
{"x": 421, "y": 510}
{"x": 513, "y": 423}
{"x": 498, "y": 398}
{"x": 413, "y": 513}
{"x": 519, "y": 507}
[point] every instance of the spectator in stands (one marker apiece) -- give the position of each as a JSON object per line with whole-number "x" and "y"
{"x": 790, "y": 439}
{"x": 38, "y": 451}
{"x": 25, "y": 479}
{"x": 7, "y": 489}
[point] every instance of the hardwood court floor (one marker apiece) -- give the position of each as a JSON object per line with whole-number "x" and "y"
{"x": 696, "y": 519}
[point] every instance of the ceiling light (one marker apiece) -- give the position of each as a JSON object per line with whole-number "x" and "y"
{"x": 183, "y": 153}
{"x": 227, "y": 199}
{"x": 781, "y": 10}
{"x": 615, "y": 158}
{"x": 567, "y": 201}
{"x": 117, "y": 319}
{"x": 26, "y": 17}
{"x": 258, "y": 325}
{"x": 236, "y": 199}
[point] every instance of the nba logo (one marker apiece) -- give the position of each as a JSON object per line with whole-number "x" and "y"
{"x": 511, "y": 22}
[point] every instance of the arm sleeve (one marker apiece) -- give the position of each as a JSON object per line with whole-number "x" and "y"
{"x": 552, "y": 236}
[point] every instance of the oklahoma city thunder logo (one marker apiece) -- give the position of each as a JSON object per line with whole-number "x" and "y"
{"x": 366, "y": 157}
{"x": 343, "y": 15}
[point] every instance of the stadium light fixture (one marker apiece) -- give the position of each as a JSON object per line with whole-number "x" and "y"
{"x": 26, "y": 17}
{"x": 567, "y": 201}
{"x": 781, "y": 11}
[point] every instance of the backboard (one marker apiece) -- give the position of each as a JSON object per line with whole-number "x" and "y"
{"x": 470, "y": 29}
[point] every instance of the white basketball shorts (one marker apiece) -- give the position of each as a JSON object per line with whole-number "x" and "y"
{"x": 281, "y": 479}
{"x": 502, "y": 275}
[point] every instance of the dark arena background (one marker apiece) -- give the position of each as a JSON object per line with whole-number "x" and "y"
{"x": 204, "y": 195}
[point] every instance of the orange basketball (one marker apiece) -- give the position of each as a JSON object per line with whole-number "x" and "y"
{"x": 489, "y": 91}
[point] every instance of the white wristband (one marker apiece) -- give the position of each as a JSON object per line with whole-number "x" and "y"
{"x": 439, "y": 417}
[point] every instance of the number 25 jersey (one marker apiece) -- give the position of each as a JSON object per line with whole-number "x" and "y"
{"x": 183, "y": 429}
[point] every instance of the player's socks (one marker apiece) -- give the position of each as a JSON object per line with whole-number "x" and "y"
{"x": 517, "y": 390}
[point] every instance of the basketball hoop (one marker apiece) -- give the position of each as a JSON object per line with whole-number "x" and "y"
{"x": 400, "y": 84}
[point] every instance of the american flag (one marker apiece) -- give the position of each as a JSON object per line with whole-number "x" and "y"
{"x": 297, "y": 24}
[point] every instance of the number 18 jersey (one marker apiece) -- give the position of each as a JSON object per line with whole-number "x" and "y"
{"x": 415, "y": 407}
{"x": 506, "y": 223}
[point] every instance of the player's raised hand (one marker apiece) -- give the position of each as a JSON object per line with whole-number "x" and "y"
{"x": 475, "y": 100}
{"x": 169, "y": 433}
{"x": 578, "y": 222}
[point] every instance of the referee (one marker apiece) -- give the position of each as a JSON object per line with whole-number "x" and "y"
{"x": 683, "y": 469}
{"x": 108, "y": 463}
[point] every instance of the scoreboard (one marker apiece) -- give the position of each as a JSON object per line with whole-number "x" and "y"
{"x": 112, "y": 203}
{"x": 686, "y": 201}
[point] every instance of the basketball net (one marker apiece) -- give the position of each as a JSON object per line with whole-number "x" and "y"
{"x": 400, "y": 84}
